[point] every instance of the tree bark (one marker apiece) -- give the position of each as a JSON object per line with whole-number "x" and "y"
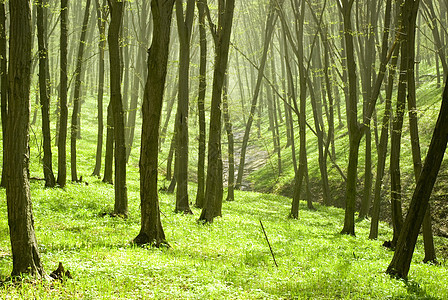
{"x": 44, "y": 89}
{"x": 77, "y": 94}
{"x": 121, "y": 199}
{"x": 151, "y": 231}
{"x": 230, "y": 140}
{"x": 4, "y": 86}
{"x": 401, "y": 261}
{"x": 184, "y": 25}
{"x": 213, "y": 188}
{"x": 63, "y": 87}
{"x": 24, "y": 248}
{"x": 200, "y": 194}
{"x": 101, "y": 45}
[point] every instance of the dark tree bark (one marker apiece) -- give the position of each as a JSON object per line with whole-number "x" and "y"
{"x": 400, "y": 264}
{"x": 382, "y": 147}
{"x": 4, "y": 86}
{"x": 140, "y": 74}
{"x": 121, "y": 199}
{"x": 395, "y": 174}
{"x": 110, "y": 140}
{"x": 101, "y": 20}
{"x": 214, "y": 188}
{"x": 184, "y": 25}
{"x": 151, "y": 231}
{"x": 200, "y": 194}
{"x": 77, "y": 93}
{"x": 44, "y": 89}
{"x": 25, "y": 252}
{"x": 63, "y": 87}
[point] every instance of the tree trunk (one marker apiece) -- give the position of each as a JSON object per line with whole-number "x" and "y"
{"x": 101, "y": 46}
{"x": 110, "y": 140}
{"x": 140, "y": 72}
{"x": 121, "y": 199}
{"x": 151, "y": 231}
{"x": 4, "y": 86}
{"x": 269, "y": 29}
{"x": 230, "y": 139}
{"x": 401, "y": 261}
{"x": 213, "y": 188}
{"x": 63, "y": 87}
{"x": 184, "y": 25}
{"x": 24, "y": 248}
{"x": 44, "y": 88}
{"x": 200, "y": 194}
{"x": 77, "y": 94}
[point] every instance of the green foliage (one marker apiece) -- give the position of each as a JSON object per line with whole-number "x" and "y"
{"x": 227, "y": 259}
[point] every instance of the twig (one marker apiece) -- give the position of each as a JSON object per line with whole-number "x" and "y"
{"x": 269, "y": 244}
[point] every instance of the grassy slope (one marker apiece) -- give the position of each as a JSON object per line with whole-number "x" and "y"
{"x": 225, "y": 260}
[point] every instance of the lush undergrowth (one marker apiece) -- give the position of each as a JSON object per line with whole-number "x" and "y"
{"x": 228, "y": 259}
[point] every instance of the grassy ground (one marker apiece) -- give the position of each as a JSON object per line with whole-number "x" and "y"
{"x": 229, "y": 259}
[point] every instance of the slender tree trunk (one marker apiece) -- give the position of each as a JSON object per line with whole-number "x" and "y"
{"x": 44, "y": 88}
{"x": 352, "y": 121}
{"x": 230, "y": 139}
{"x": 269, "y": 29}
{"x": 200, "y": 194}
{"x": 24, "y": 248}
{"x": 382, "y": 148}
{"x": 101, "y": 46}
{"x": 401, "y": 261}
{"x": 109, "y": 155}
{"x": 121, "y": 199}
{"x": 184, "y": 25}
{"x": 151, "y": 231}
{"x": 4, "y": 86}
{"x": 63, "y": 87}
{"x": 213, "y": 189}
{"x": 140, "y": 74}
{"x": 77, "y": 94}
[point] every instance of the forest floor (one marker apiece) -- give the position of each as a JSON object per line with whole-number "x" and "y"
{"x": 229, "y": 259}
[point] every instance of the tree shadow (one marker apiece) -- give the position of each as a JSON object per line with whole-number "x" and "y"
{"x": 415, "y": 290}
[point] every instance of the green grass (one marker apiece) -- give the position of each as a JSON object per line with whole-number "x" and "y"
{"x": 228, "y": 259}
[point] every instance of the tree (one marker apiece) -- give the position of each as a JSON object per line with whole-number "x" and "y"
{"x": 25, "y": 252}
{"x": 77, "y": 93}
{"x": 121, "y": 199}
{"x": 44, "y": 88}
{"x": 101, "y": 21}
{"x": 213, "y": 187}
{"x": 151, "y": 231}
{"x": 4, "y": 84}
{"x": 63, "y": 86}
{"x": 401, "y": 261}
{"x": 200, "y": 194}
{"x": 270, "y": 22}
{"x": 184, "y": 25}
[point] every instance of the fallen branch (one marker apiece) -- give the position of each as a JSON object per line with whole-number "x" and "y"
{"x": 269, "y": 244}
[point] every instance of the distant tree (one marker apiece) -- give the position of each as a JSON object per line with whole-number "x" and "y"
{"x": 24, "y": 248}
{"x": 63, "y": 110}
{"x": 200, "y": 193}
{"x": 230, "y": 140}
{"x": 139, "y": 75}
{"x": 269, "y": 29}
{"x": 77, "y": 93}
{"x": 121, "y": 199}
{"x": 184, "y": 25}
{"x": 151, "y": 231}
{"x": 101, "y": 22}
{"x": 401, "y": 261}
{"x": 3, "y": 84}
{"x": 214, "y": 187}
{"x": 44, "y": 89}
